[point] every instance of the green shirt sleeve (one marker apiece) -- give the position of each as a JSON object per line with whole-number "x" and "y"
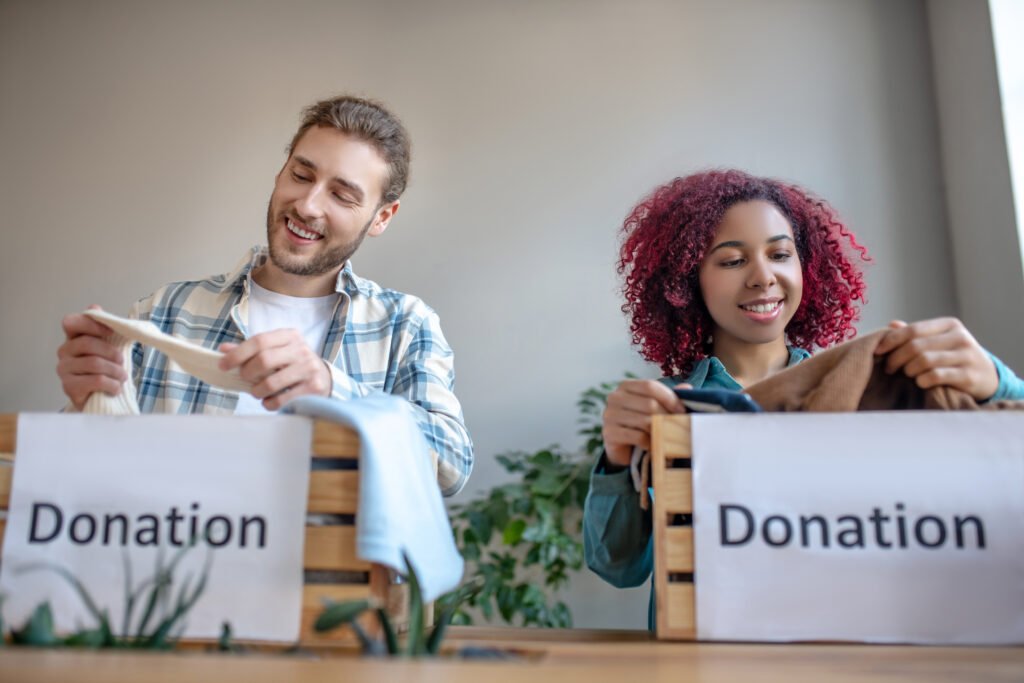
{"x": 617, "y": 540}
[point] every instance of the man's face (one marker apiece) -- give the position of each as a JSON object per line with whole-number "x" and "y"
{"x": 325, "y": 201}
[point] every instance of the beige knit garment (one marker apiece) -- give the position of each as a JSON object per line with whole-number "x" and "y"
{"x": 195, "y": 360}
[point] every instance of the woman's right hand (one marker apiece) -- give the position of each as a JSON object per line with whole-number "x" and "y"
{"x": 626, "y": 422}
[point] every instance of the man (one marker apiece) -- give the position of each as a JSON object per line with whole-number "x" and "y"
{"x": 294, "y": 318}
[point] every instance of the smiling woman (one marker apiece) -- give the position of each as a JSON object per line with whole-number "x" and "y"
{"x": 752, "y": 285}
{"x": 728, "y": 279}
{"x": 701, "y": 246}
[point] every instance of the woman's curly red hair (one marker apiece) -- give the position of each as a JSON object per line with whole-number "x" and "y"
{"x": 666, "y": 236}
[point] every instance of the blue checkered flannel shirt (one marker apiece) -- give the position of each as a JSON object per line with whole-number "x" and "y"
{"x": 379, "y": 340}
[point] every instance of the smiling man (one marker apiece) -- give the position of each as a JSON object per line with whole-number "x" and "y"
{"x": 293, "y": 317}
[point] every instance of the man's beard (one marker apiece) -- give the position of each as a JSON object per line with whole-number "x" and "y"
{"x": 323, "y": 262}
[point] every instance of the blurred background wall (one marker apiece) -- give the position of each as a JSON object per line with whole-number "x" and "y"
{"x": 140, "y": 140}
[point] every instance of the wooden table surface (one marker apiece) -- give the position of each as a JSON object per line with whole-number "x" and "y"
{"x": 551, "y": 656}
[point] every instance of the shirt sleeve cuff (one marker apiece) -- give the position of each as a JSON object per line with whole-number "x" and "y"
{"x": 344, "y": 387}
{"x": 1010, "y": 386}
{"x": 607, "y": 478}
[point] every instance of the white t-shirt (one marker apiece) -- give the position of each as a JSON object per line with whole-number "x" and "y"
{"x": 272, "y": 311}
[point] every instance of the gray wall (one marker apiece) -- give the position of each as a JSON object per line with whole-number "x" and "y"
{"x": 989, "y": 274}
{"x": 140, "y": 140}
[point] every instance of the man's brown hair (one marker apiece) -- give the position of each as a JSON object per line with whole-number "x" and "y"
{"x": 370, "y": 122}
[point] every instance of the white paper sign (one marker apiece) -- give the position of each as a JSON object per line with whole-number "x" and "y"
{"x": 88, "y": 489}
{"x": 879, "y": 527}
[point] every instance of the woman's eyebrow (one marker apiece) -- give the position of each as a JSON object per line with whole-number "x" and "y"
{"x": 723, "y": 245}
{"x": 739, "y": 245}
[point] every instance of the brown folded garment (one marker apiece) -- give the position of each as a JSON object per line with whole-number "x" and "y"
{"x": 850, "y": 377}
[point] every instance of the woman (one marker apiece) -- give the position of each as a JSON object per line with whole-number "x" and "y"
{"x": 730, "y": 278}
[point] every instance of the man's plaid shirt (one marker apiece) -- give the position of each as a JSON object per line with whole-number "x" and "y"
{"x": 379, "y": 340}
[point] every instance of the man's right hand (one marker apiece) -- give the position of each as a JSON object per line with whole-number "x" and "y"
{"x": 85, "y": 362}
{"x": 627, "y": 416}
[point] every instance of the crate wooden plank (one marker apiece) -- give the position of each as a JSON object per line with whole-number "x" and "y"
{"x": 333, "y": 491}
{"x": 332, "y": 547}
{"x": 677, "y": 604}
{"x": 6, "y": 474}
{"x": 678, "y": 547}
{"x": 334, "y": 441}
{"x": 675, "y": 492}
{"x": 674, "y": 436}
{"x": 314, "y": 594}
{"x": 312, "y": 605}
{"x": 8, "y": 430}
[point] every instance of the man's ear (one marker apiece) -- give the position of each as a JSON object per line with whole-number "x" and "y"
{"x": 383, "y": 217}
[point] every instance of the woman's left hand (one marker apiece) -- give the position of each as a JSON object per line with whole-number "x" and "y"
{"x": 939, "y": 352}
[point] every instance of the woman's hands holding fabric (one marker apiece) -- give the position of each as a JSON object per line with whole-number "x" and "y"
{"x": 626, "y": 422}
{"x": 939, "y": 352}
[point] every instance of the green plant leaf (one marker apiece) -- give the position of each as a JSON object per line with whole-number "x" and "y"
{"x": 481, "y": 525}
{"x": 159, "y": 583}
{"x": 471, "y": 553}
{"x": 224, "y": 642}
{"x": 561, "y": 616}
{"x": 513, "y": 532}
{"x": 162, "y": 637}
{"x": 71, "y": 579}
{"x": 531, "y": 525}
{"x": 129, "y": 597}
{"x": 522, "y": 506}
{"x": 437, "y": 635}
{"x": 369, "y": 645}
{"x": 416, "y": 644}
{"x": 390, "y": 639}
{"x": 336, "y": 614}
{"x": 38, "y": 630}
{"x": 542, "y": 458}
{"x": 486, "y": 608}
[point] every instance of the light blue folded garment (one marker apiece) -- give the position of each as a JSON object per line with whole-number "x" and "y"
{"x": 400, "y": 504}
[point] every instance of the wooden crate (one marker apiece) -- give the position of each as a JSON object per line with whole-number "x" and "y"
{"x": 672, "y": 510}
{"x": 332, "y": 569}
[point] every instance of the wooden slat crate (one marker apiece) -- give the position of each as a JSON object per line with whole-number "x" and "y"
{"x": 671, "y": 475}
{"x": 332, "y": 568}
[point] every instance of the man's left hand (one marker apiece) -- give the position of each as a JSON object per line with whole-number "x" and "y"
{"x": 939, "y": 352}
{"x": 280, "y": 365}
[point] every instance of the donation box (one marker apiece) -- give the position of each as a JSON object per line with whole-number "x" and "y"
{"x": 109, "y": 500}
{"x": 888, "y": 527}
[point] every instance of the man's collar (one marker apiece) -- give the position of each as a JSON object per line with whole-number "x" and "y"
{"x": 347, "y": 282}
{"x": 253, "y": 259}
{"x": 350, "y": 283}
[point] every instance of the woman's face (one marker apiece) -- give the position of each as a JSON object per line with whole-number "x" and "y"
{"x": 751, "y": 278}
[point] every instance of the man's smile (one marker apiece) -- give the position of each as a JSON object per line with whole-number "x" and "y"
{"x": 301, "y": 231}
